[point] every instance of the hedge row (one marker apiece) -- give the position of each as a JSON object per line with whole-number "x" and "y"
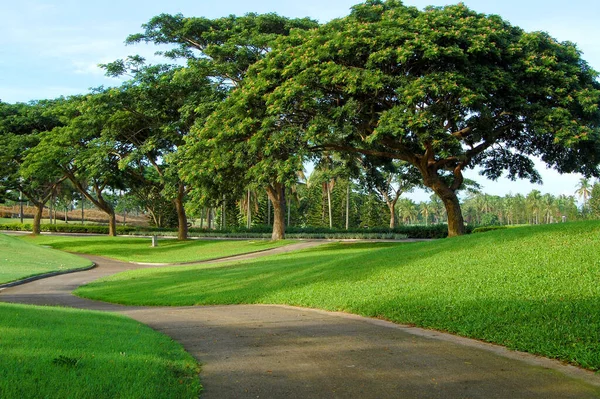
{"x": 67, "y": 228}
{"x": 432, "y": 231}
{"x": 257, "y": 235}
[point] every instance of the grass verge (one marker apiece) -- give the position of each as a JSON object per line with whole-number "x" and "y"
{"x": 535, "y": 289}
{"x": 139, "y": 249}
{"x": 20, "y": 259}
{"x": 64, "y": 353}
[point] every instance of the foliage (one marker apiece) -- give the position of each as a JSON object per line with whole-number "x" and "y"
{"x": 80, "y": 151}
{"x": 532, "y": 289}
{"x": 58, "y": 353}
{"x": 21, "y": 126}
{"x": 224, "y": 161}
{"x": 445, "y": 89}
{"x": 154, "y": 111}
{"x": 534, "y": 208}
{"x": 224, "y": 47}
{"x": 595, "y": 201}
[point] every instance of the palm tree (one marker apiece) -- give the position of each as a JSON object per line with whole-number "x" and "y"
{"x": 437, "y": 208}
{"x": 548, "y": 207}
{"x": 584, "y": 190}
{"x": 425, "y": 209}
{"x": 533, "y": 205}
{"x": 407, "y": 210}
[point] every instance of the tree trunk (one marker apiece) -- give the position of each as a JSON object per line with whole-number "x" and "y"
{"x": 21, "y": 206}
{"x": 329, "y": 206}
{"x": 157, "y": 222}
{"x": 289, "y": 211}
{"x": 112, "y": 223}
{"x": 182, "y": 227}
{"x": 392, "y": 209}
{"x": 276, "y": 194}
{"x": 224, "y": 214}
{"x": 98, "y": 201}
{"x": 37, "y": 218}
{"x": 249, "y": 219}
{"x": 348, "y": 206}
{"x": 456, "y": 224}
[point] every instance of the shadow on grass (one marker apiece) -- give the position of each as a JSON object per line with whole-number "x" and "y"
{"x": 250, "y": 282}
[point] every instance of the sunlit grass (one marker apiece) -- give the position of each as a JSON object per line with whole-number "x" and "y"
{"x": 139, "y": 249}
{"x": 19, "y": 259}
{"x": 535, "y": 289}
{"x": 63, "y": 353}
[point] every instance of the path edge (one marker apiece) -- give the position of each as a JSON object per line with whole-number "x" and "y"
{"x": 45, "y": 275}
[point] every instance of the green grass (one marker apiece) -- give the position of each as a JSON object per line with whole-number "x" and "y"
{"x": 139, "y": 249}
{"x": 534, "y": 289}
{"x": 19, "y": 259}
{"x": 64, "y": 353}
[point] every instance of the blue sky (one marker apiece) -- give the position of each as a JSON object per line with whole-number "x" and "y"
{"x": 50, "y": 48}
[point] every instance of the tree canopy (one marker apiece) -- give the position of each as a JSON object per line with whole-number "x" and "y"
{"x": 397, "y": 95}
{"x": 444, "y": 89}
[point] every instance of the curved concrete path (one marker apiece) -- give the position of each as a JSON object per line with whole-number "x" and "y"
{"x": 252, "y": 351}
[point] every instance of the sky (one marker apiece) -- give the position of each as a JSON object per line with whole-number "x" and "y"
{"x": 50, "y": 48}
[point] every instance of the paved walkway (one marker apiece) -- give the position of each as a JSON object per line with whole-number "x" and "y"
{"x": 253, "y": 351}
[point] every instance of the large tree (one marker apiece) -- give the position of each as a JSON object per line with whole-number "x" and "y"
{"x": 81, "y": 152}
{"x": 154, "y": 111}
{"x": 224, "y": 49}
{"x": 445, "y": 89}
{"x": 20, "y": 129}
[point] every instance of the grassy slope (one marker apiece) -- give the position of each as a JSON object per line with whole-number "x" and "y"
{"x": 20, "y": 259}
{"x": 139, "y": 249}
{"x": 112, "y": 356}
{"x": 535, "y": 289}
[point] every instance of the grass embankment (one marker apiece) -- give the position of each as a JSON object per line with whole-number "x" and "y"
{"x": 20, "y": 260}
{"x": 64, "y": 353}
{"x": 139, "y": 249}
{"x": 534, "y": 289}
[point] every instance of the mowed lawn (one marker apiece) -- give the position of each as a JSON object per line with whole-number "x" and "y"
{"x": 50, "y": 352}
{"x": 20, "y": 259}
{"x": 535, "y": 289}
{"x": 132, "y": 249}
